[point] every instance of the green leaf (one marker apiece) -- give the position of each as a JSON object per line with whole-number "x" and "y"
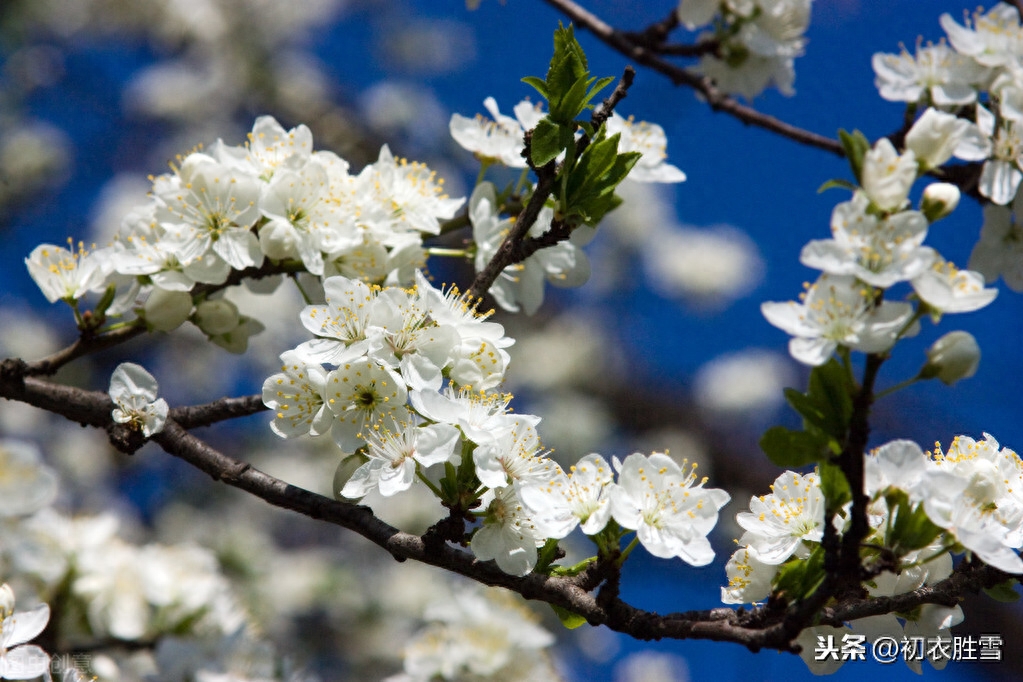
{"x": 798, "y": 578}
{"x": 1003, "y": 592}
{"x": 565, "y": 108}
{"x": 596, "y": 161}
{"x": 597, "y": 87}
{"x": 567, "y": 76}
{"x": 832, "y": 184}
{"x": 793, "y": 449}
{"x": 834, "y": 485}
{"x": 911, "y": 529}
{"x": 568, "y": 618}
{"x": 856, "y": 145}
{"x": 538, "y": 84}
{"x": 830, "y": 391}
{"x": 545, "y": 142}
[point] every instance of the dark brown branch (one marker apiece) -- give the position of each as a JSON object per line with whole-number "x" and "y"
{"x": 717, "y": 100}
{"x": 85, "y": 345}
{"x": 757, "y": 629}
{"x": 217, "y": 411}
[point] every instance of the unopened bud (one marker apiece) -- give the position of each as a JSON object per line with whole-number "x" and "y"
{"x": 167, "y": 310}
{"x": 216, "y": 317}
{"x": 940, "y": 199}
{"x": 954, "y": 356}
{"x": 344, "y": 472}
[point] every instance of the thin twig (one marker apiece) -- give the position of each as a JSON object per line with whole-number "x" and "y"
{"x": 717, "y": 100}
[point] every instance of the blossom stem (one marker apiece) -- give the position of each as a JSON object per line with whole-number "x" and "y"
{"x": 628, "y": 550}
{"x": 429, "y": 484}
{"x": 897, "y": 387}
{"x": 301, "y": 289}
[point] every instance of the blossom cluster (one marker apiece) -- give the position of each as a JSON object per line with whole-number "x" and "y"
{"x": 982, "y": 57}
{"x": 108, "y": 586}
{"x": 757, "y": 41}
{"x": 232, "y": 208}
{"x": 405, "y": 378}
{"x": 972, "y": 494}
{"x": 877, "y": 242}
{"x": 977, "y": 76}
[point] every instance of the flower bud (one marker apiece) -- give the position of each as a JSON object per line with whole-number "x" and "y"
{"x": 940, "y": 199}
{"x": 216, "y": 317}
{"x": 953, "y": 357}
{"x": 167, "y": 310}
{"x": 344, "y": 471}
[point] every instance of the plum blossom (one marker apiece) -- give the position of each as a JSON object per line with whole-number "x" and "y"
{"x": 1002, "y": 147}
{"x": 994, "y": 39}
{"x": 134, "y": 392}
{"x": 476, "y": 634}
{"x": 999, "y": 252}
{"x": 878, "y": 250}
{"x": 935, "y": 137}
{"x": 649, "y": 140}
{"x": 364, "y": 396}
{"x": 949, "y": 290}
{"x": 508, "y": 534}
{"x": 522, "y": 284}
{"x": 778, "y": 524}
{"x": 482, "y": 416}
{"x": 992, "y": 501}
{"x": 670, "y": 515}
{"x": 27, "y": 484}
{"x": 395, "y": 455}
{"x": 20, "y": 661}
{"x": 500, "y": 139}
{"x": 567, "y": 499}
{"x": 835, "y": 310}
{"x": 749, "y": 578}
{"x": 887, "y": 175}
{"x": 513, "y": 457}
{"x": 211, "y": 208}
{"x": 935, "y": 74}
{"x": 296, "y": 397}
{"x": 66, "y": 274}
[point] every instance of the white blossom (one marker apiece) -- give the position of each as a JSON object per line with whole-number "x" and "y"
{"x": 567, "y": 499}
{"x": 880, "y": 251}
{"x": 778, "y": 524}
{"x": 670, "y": 515}
{"x": 837, "y": 310}
{"x": 949, "y": 290}
{"x": 134, "y": 392}
{"x": 649, "y": 140}
{"x": 507, "y": 534}
{"x": 20, "y": 661}
{"x": 66, "y": 274}
{"x": 936, "y": 73}
{"x": 887, "y": 176}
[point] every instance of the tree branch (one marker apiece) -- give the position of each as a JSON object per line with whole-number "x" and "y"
{"x": 717, "y": 100}
{"x": 760, "y": 628}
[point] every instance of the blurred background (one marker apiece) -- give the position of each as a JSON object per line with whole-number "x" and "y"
{"x": 664, "y": 348}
